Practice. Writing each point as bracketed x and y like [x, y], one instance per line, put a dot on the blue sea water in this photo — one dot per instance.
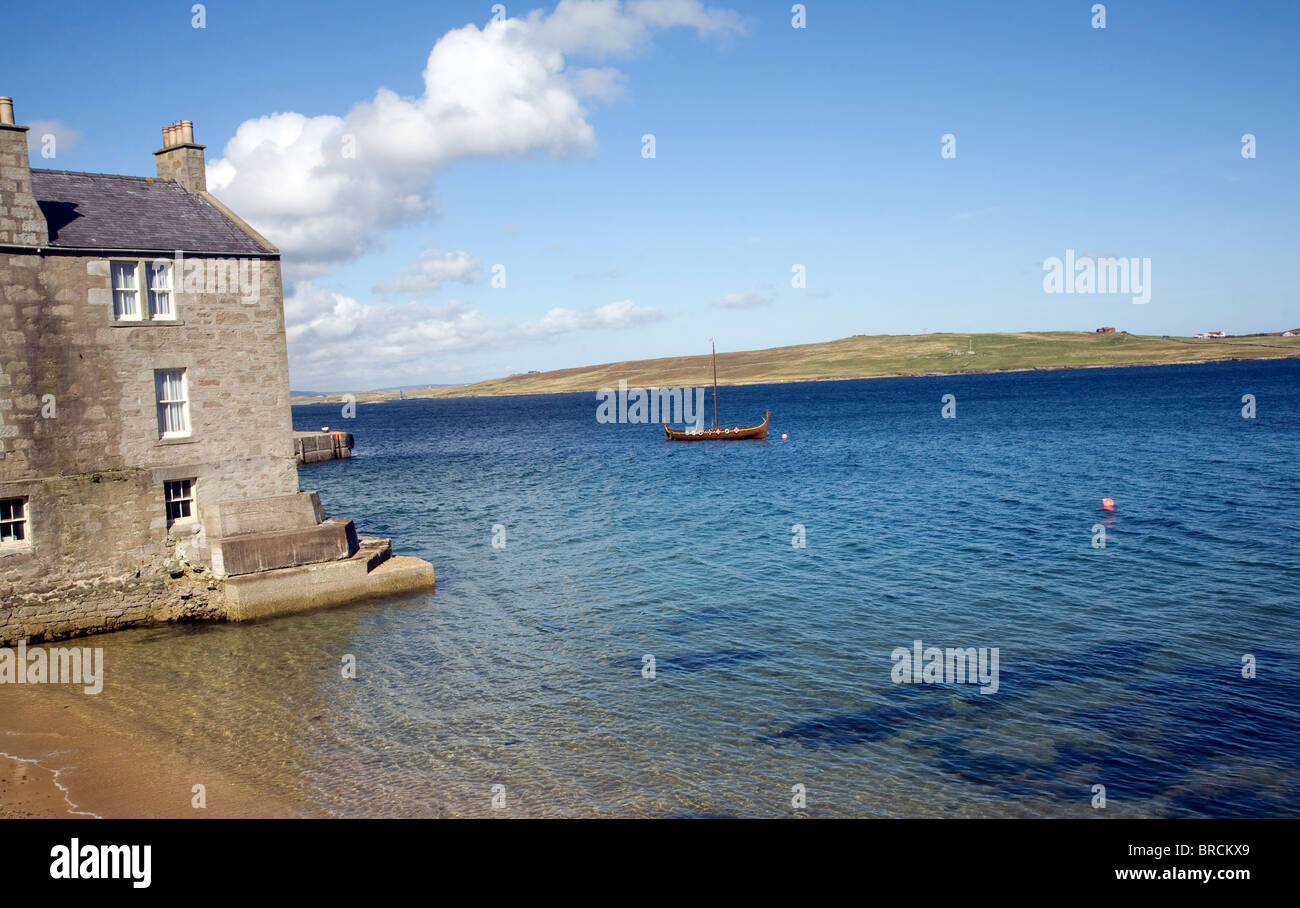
[1119, 666]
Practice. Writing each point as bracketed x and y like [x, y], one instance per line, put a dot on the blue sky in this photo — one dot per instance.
[774, 146]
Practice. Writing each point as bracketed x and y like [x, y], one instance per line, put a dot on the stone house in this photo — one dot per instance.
[147, 464]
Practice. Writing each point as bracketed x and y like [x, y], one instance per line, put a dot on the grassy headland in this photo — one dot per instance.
[876, 356]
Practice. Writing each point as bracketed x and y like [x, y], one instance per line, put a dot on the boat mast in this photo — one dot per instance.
[715, 382]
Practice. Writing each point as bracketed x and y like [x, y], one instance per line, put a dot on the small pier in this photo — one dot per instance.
[313, 447]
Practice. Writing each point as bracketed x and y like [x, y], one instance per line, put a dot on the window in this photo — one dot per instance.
[173, 403]
[13, 520]
[180, 499]
[159, 302]
[126, 293]
[158, 278]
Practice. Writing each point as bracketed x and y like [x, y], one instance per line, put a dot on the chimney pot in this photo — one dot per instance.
[180, 159]
[6, 111]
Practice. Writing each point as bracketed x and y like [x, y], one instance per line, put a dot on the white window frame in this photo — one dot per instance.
[150, 293]
[185, 494]
[21, 522]
[172, 405]
[121, 291]
[158, 287]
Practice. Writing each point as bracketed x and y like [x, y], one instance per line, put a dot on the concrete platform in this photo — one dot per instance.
[372, 571]
[313, 447]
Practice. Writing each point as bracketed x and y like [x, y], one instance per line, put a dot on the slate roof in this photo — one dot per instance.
[106, 211]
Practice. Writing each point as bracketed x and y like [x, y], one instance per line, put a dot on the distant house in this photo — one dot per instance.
[1106, 330]
[1294, 332]
[1204, 334]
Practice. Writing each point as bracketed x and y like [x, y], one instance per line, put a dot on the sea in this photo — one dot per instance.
[628, 627]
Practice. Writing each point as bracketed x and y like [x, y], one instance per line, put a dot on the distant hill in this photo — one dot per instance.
[882, 355]
[393, 391]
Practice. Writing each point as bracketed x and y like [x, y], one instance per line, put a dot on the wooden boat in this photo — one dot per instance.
[734, 433]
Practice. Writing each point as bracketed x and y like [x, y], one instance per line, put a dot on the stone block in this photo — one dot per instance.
[236, 517]
[333, 540]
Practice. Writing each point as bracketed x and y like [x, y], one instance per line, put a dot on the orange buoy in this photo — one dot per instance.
[1108, 504]
[784, 436]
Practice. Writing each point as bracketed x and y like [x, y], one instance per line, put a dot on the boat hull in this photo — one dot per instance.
[742, 433]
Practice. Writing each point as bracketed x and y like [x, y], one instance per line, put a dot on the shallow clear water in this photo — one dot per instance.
[1118, 666]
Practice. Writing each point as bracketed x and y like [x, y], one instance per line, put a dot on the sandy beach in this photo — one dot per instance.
[62, 755]
[30, 791]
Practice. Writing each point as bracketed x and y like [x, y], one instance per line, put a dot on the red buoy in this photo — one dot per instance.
[1108, 503]
[784, 436]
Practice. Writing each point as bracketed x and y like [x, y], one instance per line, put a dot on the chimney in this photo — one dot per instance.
[21, 220]
[180, 159]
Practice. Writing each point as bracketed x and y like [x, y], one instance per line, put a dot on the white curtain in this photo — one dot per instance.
[160, 289]
[171, 402]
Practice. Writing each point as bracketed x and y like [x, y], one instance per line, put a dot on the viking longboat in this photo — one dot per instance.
[715, 434]
[734, 433]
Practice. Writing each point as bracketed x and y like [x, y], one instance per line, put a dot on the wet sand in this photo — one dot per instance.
[30, 791]
[61, 756]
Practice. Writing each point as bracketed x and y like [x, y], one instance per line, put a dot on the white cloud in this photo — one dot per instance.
[599, 83]
[54, 135]
[320, 187]
[557, 321]
[434, 269]
[335, 339]
[606, 28]
[743, 300]
[625, 314]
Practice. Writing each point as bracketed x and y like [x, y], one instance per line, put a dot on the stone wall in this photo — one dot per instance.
[79, 437]
[21, 221]
[174, 592]
[314, 447]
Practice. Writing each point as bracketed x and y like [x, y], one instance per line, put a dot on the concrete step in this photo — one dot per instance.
[297, 589]
[332, 539]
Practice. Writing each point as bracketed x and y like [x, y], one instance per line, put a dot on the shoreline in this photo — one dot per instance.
[61, 757]
[312, 401]
[47, 799]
